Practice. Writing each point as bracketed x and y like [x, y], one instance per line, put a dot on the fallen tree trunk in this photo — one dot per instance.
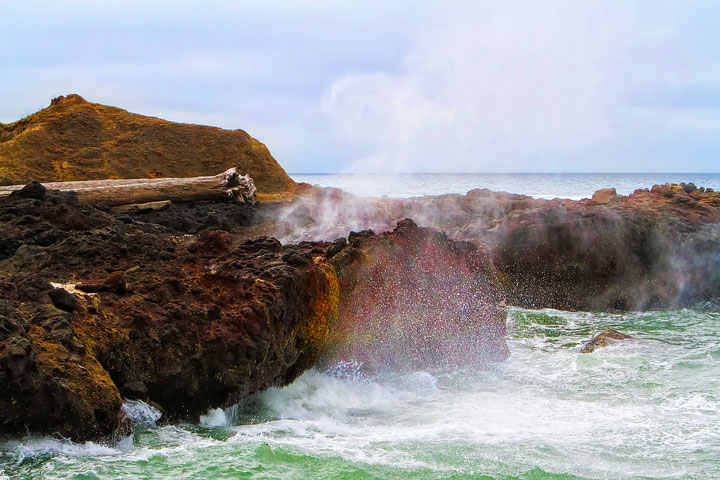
[229, 185]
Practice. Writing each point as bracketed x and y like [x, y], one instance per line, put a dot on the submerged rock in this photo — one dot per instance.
[603, 339]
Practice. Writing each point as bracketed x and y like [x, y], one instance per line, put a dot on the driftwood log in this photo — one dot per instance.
[229, 185]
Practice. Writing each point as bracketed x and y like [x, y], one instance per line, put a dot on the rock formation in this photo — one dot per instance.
[604, 339]
[653, 249]
[93, 305]
[604, 195]
[74, 139]
[96, 306]
[411, 298]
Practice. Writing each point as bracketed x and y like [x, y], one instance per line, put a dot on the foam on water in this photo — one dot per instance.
[648, 408]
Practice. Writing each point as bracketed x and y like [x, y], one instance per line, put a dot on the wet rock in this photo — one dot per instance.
[603, 339]
[135, 390]
[201, 328]
[292, 257]
[414, 299]
[337, 245]
[63, 299]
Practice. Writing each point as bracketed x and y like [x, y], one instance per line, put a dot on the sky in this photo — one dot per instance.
[393, 86]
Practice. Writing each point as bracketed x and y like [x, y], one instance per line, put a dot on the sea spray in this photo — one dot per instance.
[140, 413]
[220, 417]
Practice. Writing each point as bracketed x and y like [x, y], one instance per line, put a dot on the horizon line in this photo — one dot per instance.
[503, 173]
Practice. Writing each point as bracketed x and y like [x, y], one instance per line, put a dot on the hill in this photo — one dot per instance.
[74, 139]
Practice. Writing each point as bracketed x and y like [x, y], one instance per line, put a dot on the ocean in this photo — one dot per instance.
[574, 186]
[644, 409]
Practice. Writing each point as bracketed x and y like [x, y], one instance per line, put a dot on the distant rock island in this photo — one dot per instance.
[74, 139]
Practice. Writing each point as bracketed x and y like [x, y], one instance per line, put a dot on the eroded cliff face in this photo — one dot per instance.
[94, 308]
[74, 139]
[188, 309]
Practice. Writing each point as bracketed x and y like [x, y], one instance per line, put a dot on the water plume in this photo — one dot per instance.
[413, 299]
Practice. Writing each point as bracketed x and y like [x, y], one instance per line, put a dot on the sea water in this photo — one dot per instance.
[642, 409]
[574, 186]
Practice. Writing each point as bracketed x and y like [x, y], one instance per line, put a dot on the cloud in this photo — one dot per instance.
[408, 85]
[521, 86]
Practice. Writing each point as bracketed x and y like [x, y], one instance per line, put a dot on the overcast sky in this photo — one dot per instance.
[404, 86]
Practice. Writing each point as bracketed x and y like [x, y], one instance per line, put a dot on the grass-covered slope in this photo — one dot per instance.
[74, 139]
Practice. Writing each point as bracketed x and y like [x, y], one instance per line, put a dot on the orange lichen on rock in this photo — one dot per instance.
[324, 309]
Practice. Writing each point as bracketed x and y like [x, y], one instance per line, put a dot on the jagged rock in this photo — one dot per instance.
[65, 374]
[637, 252]
[63, 299]
[208, 319]
[115, 282]
[32, 190]
[603, 339]
[413, 299]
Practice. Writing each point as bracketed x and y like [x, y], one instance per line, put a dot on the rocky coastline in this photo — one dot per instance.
[203, 303]
[188, 310]
[654, 249]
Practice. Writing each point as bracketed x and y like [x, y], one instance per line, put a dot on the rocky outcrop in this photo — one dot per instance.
[95, 306]
[604, 195]
[653, 249]
[74, 139]
[188, 309]
[411, 298]
[604, 339]
[641, 252]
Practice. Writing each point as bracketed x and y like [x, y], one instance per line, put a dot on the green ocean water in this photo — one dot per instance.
[645, 409]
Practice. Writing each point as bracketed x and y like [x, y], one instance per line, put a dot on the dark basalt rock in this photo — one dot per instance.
[32, 190]
[135, 390]
[115, 282]
[63, 299]
[653, 249]
[603, 339]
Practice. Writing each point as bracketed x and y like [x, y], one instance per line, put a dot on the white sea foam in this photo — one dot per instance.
[215, 417]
